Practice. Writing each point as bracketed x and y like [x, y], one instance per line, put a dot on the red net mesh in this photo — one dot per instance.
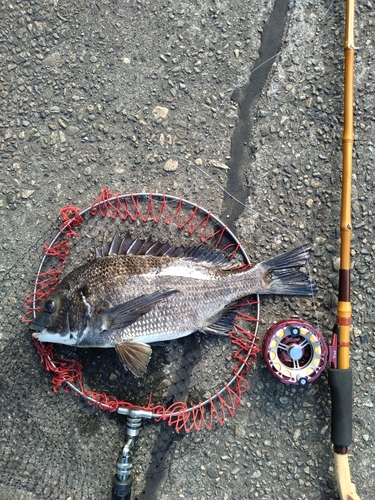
[68, 373]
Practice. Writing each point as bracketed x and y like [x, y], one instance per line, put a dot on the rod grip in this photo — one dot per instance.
[341, 385]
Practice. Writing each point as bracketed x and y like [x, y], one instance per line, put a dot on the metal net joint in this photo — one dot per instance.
[122, 481]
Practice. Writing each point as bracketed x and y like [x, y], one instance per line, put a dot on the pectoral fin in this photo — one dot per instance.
[134, 356]
[125, 314]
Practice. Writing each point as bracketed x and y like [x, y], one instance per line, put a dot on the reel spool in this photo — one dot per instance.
[295, 352]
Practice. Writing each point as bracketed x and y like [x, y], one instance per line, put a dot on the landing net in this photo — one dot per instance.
[190, 382]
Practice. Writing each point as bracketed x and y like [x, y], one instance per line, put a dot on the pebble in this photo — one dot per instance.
[297, 434]
[26, 193]
[160, 111]
[170, 165]
[71, 130]
[218, 164]
[336, 263]
[212, 473]
[52, 60]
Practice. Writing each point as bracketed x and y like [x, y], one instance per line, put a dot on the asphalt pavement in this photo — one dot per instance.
[236, 106]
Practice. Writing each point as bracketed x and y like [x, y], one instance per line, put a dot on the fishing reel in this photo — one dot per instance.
[295, 352]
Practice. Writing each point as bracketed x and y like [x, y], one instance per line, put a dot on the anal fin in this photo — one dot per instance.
[224, 323]
[134, 356]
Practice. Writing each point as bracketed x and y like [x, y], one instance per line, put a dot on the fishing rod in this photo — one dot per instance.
[288, 345]
[340, 375]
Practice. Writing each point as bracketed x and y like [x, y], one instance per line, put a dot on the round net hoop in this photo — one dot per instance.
[193, 219]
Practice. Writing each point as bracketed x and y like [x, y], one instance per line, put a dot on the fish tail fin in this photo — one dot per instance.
[282, 276]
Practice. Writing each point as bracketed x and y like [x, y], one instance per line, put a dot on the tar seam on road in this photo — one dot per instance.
[246, 97]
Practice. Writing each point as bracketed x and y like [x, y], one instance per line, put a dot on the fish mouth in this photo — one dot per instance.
[37, 335]
[43, 335]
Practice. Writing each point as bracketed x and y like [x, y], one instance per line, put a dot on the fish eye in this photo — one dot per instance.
[50, 306]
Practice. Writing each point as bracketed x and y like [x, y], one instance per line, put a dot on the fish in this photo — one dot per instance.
[139, 292]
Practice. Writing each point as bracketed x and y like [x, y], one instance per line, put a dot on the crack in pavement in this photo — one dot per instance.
[246, 97]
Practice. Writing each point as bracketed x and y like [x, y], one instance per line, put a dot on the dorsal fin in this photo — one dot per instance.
[136, 246]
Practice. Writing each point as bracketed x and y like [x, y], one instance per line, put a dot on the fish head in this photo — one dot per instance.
[62, 318]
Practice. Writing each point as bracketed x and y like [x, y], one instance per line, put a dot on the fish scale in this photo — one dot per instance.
[183, 312]
[129, 301]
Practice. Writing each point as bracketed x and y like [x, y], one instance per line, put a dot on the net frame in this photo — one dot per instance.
[68, 373]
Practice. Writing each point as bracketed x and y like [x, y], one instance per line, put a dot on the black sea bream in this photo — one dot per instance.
[129, 301]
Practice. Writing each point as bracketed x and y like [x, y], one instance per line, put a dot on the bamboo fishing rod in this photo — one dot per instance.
[340, 375]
